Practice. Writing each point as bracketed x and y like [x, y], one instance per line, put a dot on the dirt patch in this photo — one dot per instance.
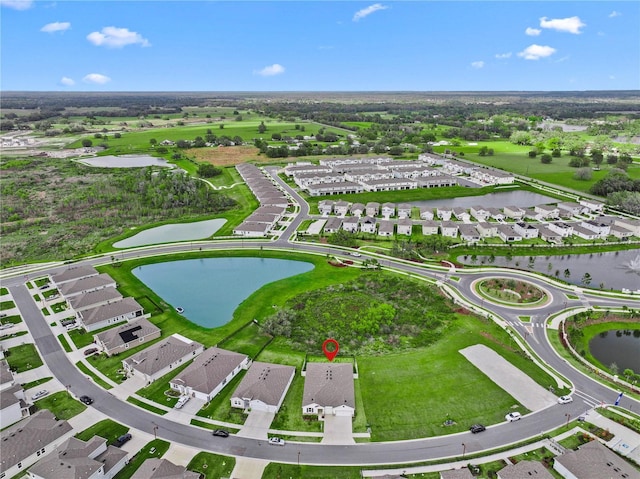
[227, 155]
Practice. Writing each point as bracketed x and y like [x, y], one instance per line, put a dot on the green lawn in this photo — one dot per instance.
[14, 319]
[65, 343]
[22, 358]
[247, 340]
[59, 307]
[289, 417]
[35, 383]
[156, 390]
[61, 404]
[4, 305]
[147, 406]
[106, 428]
[157, 445]
[97, 379]
[280, 471]
[212, 466]
[219, 409]
[3, 291]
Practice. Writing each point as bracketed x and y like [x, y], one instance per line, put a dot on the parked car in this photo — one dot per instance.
[181, 402]
[356, 254]
[513, 416]
[476, 428]
[565, 399]
[45, 286]
[39, 394]
[276, 441]
[220, 433]
[90, 351]
[122, 440]
[86, 400]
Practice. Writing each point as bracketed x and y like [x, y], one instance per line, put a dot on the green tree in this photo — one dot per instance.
[262, 127]
[586, 279]
[567, 273]
[207, 170]
[546, 158]
[153, 142]
[87, 143]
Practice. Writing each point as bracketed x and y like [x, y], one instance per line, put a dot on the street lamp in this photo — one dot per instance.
[464, 449]
[298, 458]
[155, 429]
[568, 417]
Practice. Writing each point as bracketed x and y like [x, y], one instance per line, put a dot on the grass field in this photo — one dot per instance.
[97, 379]
[106, 428]
[156, 390]
[148, 407]
[22, 358]
[220, 409]
[158, 446]
[61, 404]
[212, 466]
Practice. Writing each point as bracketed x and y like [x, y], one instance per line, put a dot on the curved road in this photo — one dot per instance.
[588, 392]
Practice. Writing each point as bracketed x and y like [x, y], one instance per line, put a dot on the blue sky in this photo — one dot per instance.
[319, 46]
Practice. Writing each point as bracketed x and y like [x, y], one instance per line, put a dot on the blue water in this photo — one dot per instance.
[210, 289]
[173, 232]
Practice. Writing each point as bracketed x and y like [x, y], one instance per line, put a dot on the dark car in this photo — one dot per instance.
[477, 428]
[220, 433]
[86, 400]
[90, 351]
[122, 439]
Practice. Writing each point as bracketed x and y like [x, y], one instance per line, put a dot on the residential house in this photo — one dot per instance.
[305, 180]
[426, 213]
[437, 181]
[77, 459]
[305, 167]
[390, 184]
[325, 207]
[592, 205]
[160, 358]
[593, 460]
[496, 214]
[372, 208]
[111, 313]
[73, 274]
[449, 229]
[404, 210]
[386, 228]
[480, 213]
[271, 220]
[405, 226]
[444, 213]
[525, 469]
[329, 390]
[252, 230]
[163, 469]
[336, 188]
[571, 207]
[388, 210]
[548, 235]
[131, 334]
[487, 230]
[563, 229]
[630, 224]
[430, 227]
[350, 224]
[432, 159]
[357, 209]
[463, 473]
[368, 224]
[508, 234]
[6, 376]
[461, 214]
[30, 439]
[585, 233]
[341, 208]
[602, 229]
[514, 212]
[492, 177]
[333, 225]
[93, 299]
[526, 230]
[546, 212]
[264, 387]
[13, 402]
[86, 285]
[620, 232]
[469, 233]
[278, 211]
[205, 377]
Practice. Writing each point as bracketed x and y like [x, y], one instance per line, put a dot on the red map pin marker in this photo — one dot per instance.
[330, 348]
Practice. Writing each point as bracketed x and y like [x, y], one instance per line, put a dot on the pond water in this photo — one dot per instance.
[173, 232]
[523, 199]
[126, 161]
[210, 289]
[617, 270]
[617, 347]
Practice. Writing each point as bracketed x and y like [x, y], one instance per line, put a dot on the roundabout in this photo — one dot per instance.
[511, 292]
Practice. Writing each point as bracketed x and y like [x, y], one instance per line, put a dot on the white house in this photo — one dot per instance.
[592, 205]
[449, 229]
[252, 229]
[533, 469]
[469, 233]
[508, 234]
[585, 233]
[325, 207]
[111, 313]
[405, 226]
[372, 208]
[487, 230]
[563, 229]
[546, 211]
[461, 214]
[341, 208]
[132, 334]
[333, 225]
[479, 213]
[350, 224]
[329, 390]
[426, 213]
[526, 230]
[514, 212]
[571, 207]
[368, 224]
[601, 228]
[264, 387]
[593, 460]
[13, 404]
[388, 210]
[386, 228]
[211, 371]
[86, 285]
[73, 274]
[357, 209]
[404, 210]
[430, 227]
[444, 213]
[548, 235]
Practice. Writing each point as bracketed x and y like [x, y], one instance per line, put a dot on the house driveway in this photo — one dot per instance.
[338, 430]
[257, 425]
[248, 468]
[129, 387]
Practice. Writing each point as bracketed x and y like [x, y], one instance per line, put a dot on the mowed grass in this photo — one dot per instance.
[22, 358]
[61, 404]
[439, 384]
[277, 471]
[212, 466]
[158, 446]
[108, 429]
[249, 340]
[156, 390]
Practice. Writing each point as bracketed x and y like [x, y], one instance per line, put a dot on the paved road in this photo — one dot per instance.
[589, 392]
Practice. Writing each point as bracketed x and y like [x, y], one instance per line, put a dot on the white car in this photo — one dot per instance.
[513, 416]
[181, 402]
[356, 254]
[565, 399]
[39, 394]
[276, 441]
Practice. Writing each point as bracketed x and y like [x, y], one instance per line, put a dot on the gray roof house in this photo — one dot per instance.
[94, 298]
[160, 358]
[132, 334]
[77, 459]
[86, 285]
[368, 224]
[28, 440]
[6, 377]
[73, 274]
[404, 210]
[469, 233]
[110, 313]
[13, 405]
[463, 473]
[205, 377]
[386, 228]
[333, 225]
[426, 213]
[430, 227]
[593, 461]
[357, 209]
[264, 387]
[525, 470]
[350, 224]
[388, 209]
[329, 390]
[252, 229]
[163, 469]
[372, 208]
[405, 226]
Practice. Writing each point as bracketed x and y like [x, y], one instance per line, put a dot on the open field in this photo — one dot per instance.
[106, 428]
[22, 358]
[61, 404]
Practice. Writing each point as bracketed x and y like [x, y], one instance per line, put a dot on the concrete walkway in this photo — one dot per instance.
[247, 468]
[625, 442]
[338, 430]
[257, 425]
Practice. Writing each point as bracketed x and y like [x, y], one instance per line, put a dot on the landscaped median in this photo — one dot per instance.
[511, 292]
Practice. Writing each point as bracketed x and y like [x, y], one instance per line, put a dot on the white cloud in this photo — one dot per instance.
[533, 32]
[114, 37]
[66, 81]
[56, 27]
[270, 70]
[17, 4]
[614, 14]
[477, 65]
[503, 56]
[365, 12]
[96, 78]
[536, 52]
[569, 25]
